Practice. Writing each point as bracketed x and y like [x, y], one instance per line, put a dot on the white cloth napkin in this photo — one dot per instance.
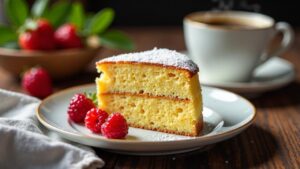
[24, 145]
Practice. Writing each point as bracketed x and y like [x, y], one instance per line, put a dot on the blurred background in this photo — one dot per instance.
[171, 12]
[158, 23]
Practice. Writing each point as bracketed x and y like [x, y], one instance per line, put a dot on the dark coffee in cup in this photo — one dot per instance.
[229, 23]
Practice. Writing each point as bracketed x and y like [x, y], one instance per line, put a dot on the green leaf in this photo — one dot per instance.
[92, 96]
[16, 11]
[87, 22]
[39, 7]
[7, 35]
[117, 40]
[58, 13]
[101, 21]
[77, 15]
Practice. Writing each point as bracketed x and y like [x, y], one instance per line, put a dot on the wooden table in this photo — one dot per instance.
[273, 141]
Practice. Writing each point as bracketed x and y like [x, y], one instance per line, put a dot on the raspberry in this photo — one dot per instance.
[115, 127]
[94, 119]
[79, 106]
[66, 37]
[37, 82]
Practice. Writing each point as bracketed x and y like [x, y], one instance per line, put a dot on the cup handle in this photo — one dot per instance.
[287, 40]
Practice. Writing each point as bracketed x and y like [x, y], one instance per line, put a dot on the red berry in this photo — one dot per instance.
[37, 82]
[44, 27]
[94, 119]
[41, 38]
[46, 32]
[115, 127]
[79, 106]
[29, 40]
[66, 37]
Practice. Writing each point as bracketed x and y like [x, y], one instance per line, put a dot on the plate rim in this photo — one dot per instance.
[208, 137]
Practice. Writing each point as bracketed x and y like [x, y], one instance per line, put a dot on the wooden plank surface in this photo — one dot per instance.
[273, 141]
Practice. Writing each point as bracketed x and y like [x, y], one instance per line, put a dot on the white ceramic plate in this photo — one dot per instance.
[225, 115]
[274, 74]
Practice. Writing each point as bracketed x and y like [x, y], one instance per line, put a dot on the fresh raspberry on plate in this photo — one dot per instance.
[37, 82]
[78, 107]
[115, 126]
[94, 119]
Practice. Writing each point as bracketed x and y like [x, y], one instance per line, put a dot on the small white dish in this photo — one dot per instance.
[274, 74]
[225, 115]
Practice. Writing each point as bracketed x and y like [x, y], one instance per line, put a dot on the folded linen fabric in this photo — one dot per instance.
[25, 144]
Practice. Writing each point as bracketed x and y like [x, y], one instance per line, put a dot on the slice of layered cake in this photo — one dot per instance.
[157, 90]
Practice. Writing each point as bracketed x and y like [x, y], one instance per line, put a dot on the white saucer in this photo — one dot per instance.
[274, 74]
[225, 115]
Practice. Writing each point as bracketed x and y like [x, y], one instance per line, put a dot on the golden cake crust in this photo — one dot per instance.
[161, 57]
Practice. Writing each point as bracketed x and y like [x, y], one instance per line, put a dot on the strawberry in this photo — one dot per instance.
[40, 38]
[29, 40]
[115, 126]
[78, 107]
[66, 37]
[94, 119]
[37, 82]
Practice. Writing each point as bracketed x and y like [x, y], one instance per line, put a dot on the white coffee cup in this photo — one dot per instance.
[229, 45]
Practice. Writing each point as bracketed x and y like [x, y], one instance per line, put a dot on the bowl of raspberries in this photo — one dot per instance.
[59, 37]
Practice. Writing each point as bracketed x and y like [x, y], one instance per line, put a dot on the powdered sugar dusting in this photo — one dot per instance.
[169, 137]
[164, 57]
